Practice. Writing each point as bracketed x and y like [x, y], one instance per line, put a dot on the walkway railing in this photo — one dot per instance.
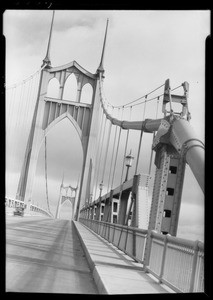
[128, 239]
[10, 202]
[176, 262]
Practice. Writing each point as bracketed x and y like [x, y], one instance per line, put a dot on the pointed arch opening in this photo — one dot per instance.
[70, 88]
[66, 210]
[64, 156]
[53, 88]
[87, 93]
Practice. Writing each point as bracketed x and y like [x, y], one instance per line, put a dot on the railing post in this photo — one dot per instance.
[99, 227]
[147, 250]
[113, 234]
[164, 257]
[194, 266]
[134, 243]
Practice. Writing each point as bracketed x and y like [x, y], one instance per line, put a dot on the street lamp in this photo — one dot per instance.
[90, 198]
[99, 210]
[129, 158]
[101, 187]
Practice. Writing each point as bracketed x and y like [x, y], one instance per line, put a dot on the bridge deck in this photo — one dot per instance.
[45, 255]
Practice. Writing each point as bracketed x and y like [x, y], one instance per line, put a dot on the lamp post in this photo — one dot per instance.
[129, 158]
[90, 198]
[101, 188]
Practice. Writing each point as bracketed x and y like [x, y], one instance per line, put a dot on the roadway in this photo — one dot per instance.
[45, 256]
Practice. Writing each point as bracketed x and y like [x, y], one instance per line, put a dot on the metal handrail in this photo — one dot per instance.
[168, 255]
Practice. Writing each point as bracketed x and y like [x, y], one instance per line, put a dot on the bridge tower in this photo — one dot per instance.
[62, 199]
[170, 167]
[170, 161]
[49, 111]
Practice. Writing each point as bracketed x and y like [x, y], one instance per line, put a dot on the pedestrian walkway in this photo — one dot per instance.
[114, 272]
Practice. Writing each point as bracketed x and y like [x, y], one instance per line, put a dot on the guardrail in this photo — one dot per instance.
[36, 208]
[10, 202]
[128, 239]
[176, 262]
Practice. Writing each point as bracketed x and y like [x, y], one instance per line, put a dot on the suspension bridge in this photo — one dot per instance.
[122, 237]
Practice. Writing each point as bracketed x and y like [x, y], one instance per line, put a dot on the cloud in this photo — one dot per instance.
[192, 195]
[143, 49]
[65, 20]
[191, 221]
[18, 27]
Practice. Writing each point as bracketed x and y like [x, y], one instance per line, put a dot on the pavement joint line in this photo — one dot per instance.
[128, 278]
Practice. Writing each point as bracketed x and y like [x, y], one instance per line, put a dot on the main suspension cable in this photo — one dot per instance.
[142, 97]
[14, 85]
[131, 102]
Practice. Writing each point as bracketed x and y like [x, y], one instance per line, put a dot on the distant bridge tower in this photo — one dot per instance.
[63, 198]
[49, 111]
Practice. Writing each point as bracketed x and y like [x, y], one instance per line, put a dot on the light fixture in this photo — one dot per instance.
[101, 187]
[129, 158]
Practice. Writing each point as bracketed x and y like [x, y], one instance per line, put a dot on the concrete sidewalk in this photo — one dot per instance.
[114, 272]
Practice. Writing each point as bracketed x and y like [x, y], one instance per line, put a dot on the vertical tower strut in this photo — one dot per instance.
[46, 60]
[101, 68]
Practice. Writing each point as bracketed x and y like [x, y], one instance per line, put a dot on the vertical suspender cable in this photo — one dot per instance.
[10, 103]
[106, 153]
[125, 150]
[99, 162]
[16, 131]
[141, 136]
[113, 150]
[17, 122]
[9, 109]
[121, 190]
[97, 154]
[29, 97]
[45, 157]
[150, 163]
[116, 155]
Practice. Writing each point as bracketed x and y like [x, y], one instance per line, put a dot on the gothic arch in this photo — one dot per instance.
[53, 88]
[87, 93]
[60, 118]
[70, 88]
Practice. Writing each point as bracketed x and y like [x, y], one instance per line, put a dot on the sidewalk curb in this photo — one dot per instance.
[113, 271]
[97, 278]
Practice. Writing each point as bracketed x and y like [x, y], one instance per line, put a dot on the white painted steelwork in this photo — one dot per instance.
[176, 262]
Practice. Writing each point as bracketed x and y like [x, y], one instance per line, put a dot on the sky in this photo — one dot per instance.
[143, 49]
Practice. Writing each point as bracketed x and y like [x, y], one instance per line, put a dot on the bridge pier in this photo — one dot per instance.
[123, 207]
[108, 208]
